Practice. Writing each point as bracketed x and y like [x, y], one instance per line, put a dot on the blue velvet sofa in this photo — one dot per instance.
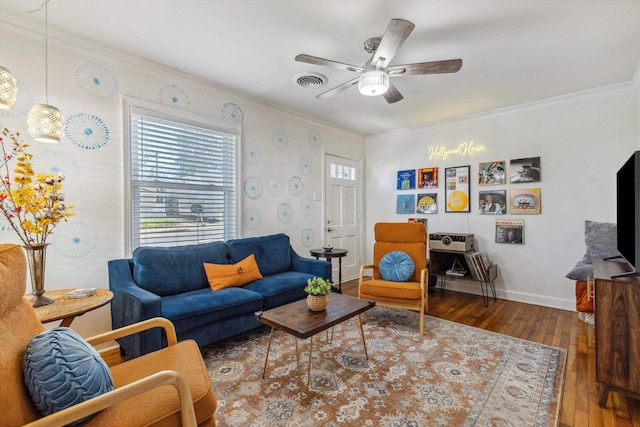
[171, 282]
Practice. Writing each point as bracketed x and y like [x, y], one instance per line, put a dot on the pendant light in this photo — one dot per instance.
[45, 121]
[8, 89]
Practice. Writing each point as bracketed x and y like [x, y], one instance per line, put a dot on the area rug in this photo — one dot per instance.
[454, 375]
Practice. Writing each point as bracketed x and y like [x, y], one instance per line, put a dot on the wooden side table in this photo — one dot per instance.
[332, 253]
[66, 309]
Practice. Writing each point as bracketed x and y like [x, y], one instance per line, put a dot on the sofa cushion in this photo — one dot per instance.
[281, 288]
[273, 252]
[222, 276]
[203, 307]
[173, 270]
[61, 370]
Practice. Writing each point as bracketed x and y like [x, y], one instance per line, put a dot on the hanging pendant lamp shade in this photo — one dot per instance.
[373, 83]
[44, 123]
[8, 89]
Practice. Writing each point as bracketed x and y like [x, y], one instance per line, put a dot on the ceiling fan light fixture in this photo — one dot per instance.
[373, 83]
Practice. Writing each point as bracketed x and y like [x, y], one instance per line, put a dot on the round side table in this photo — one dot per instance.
[66, 309]
[328, 255]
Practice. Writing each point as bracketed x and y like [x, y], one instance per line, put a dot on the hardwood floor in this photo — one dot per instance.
[558, 328]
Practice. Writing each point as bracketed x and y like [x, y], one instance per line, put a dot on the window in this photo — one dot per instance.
[343, 171]
[183, 180]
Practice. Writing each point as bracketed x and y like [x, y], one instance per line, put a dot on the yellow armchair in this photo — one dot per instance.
[168, 387]
[413, 294]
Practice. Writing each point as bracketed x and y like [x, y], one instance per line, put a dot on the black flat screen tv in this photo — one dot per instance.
[628, 211]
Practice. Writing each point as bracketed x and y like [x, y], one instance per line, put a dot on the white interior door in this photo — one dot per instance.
[342, 213]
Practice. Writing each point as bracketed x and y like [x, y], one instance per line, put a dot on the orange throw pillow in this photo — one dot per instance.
[583, 302]
[222, 276]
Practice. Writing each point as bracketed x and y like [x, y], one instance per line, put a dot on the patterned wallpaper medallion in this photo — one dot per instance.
[96, 80]
[86, 131]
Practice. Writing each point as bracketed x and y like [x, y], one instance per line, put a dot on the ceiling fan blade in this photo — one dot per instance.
[338, 89]
[392, 94]
[394, 36]
[328, 63]
[434, 67]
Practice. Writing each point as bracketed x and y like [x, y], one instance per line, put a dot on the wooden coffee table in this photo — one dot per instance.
[298, 321]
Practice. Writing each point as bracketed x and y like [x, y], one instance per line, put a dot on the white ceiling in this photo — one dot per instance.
[513, 51]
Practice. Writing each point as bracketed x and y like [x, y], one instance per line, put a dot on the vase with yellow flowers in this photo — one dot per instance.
[33, 204]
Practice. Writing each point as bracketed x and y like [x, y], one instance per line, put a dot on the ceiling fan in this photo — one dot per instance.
[375, 73]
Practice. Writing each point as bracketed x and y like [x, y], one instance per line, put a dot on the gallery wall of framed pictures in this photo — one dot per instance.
[504, 187]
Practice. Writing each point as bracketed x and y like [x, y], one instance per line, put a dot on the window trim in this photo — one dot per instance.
[131, 105]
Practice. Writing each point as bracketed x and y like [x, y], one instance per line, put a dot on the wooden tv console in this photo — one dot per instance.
[617, 311]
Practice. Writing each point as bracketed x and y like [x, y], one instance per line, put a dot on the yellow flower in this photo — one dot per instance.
[32, 202]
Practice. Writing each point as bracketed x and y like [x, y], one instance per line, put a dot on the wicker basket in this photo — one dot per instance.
[317, 303]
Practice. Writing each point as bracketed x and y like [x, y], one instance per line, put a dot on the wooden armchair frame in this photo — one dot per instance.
[81, 410]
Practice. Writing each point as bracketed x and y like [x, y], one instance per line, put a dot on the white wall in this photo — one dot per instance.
[80, 249]
[582, 140]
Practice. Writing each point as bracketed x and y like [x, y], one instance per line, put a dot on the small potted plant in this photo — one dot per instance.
[318, 289]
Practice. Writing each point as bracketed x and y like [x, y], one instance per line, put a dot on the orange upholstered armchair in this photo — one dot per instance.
[169, 387]
[399, 239]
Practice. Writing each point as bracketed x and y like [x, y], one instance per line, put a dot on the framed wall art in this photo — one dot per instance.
[405, 204]
[510, 231]
[525, 201]
[492, 202]
[524, 170]
[427, 203]
[428, 178]
[492, 173]
[406, 179]
[457, 189]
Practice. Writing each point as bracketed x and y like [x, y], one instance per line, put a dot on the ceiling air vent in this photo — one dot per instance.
[310, 80]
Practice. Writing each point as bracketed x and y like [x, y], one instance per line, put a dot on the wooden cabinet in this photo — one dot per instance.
[617, 310]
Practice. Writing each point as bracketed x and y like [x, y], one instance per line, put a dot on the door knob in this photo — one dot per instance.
[329, 229]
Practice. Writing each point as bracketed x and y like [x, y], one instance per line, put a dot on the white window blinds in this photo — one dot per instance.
[183, 180]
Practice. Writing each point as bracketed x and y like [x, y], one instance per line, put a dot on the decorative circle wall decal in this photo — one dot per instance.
[231, 111]
[296, 187]
[285, 213]
[307, 237]
[4, 224]
[275, 186]
[173, 95]
[280, 139]
[251, 153]
[252, 187]
[251, 218]
[306, 165]
[306, 206]
[86, 131]
[75, 239]
[24, 102]
[96, 80]
[314, 138]
[53, 161]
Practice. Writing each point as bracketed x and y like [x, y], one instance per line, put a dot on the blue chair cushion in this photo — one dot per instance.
[396, 266]
[61, 369]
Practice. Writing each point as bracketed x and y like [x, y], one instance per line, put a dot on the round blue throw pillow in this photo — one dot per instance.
[396, 266]
[61, 369]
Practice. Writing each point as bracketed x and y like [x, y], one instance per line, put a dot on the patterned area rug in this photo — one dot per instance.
[455, 375]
